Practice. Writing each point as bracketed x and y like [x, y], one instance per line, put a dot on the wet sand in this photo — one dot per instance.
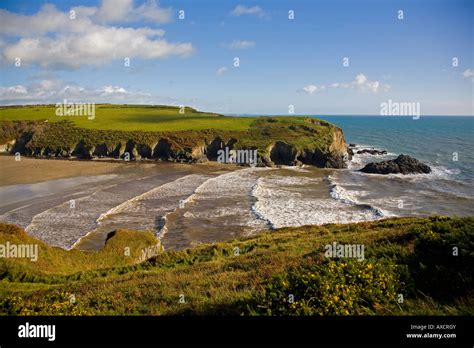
[30, 170]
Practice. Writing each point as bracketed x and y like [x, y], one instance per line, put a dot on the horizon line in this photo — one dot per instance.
[243, 114]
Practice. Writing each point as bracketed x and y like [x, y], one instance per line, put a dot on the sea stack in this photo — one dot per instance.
[403, 164]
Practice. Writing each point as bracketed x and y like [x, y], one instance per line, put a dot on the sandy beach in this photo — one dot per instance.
[30, 170]
[33, 170]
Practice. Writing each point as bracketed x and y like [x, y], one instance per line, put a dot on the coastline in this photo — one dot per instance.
[289, 197]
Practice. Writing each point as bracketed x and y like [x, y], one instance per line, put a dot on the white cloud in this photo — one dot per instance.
[361, 83]
[361, 79]
[51, 38]
[13, 91]
[108, 90]
[240, 10]
[310, 89]
[94, 48]
[221, 71]
[469, 73]
[240, 45]
[115, 11]
[50, 20]
[53, 91]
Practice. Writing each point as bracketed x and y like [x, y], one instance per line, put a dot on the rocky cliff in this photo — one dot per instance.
[278, 141]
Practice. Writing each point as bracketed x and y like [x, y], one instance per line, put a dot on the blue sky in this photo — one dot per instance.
[283, 62]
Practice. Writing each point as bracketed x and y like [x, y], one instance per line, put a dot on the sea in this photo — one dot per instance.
[186, 205]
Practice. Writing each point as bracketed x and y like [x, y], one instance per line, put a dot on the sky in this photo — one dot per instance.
[339, 57]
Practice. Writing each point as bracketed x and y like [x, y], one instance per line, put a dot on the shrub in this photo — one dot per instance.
[55, 304]
[434, 268]
[343, 287]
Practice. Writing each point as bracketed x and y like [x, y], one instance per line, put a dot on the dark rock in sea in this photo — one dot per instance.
[372, 152]
[350, 152]
[352, 145]
[403, 164]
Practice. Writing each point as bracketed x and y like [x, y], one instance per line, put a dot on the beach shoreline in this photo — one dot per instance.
[34, 170]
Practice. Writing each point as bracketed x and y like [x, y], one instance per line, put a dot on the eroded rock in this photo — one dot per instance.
[403, 164]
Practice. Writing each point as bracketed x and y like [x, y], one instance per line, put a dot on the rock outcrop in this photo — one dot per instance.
[278, 141]
[282, 153]
[372, 152]
[335, 155]
[403, 164]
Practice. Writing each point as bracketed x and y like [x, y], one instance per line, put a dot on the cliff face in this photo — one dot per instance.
[338, 149]
[278, 141]
[326, 147]
[287, 154]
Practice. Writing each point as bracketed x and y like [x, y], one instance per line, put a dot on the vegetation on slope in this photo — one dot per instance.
[158, 118]
[168, 135]
[54, 261]
[412, 257]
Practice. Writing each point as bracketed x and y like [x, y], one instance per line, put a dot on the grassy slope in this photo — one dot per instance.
[260, 133]
[215, 281]
[132, 118]
[54, 261]
[118, 123]
[115, 124]
[154, 119]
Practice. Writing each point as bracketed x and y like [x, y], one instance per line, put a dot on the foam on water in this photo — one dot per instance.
[360, 160]
[219, 209]
[184, 186]
[149, 210]
[62, 226]
[439, 192]
[294, 201]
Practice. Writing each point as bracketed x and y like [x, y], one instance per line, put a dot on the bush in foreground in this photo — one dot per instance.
[342, 287]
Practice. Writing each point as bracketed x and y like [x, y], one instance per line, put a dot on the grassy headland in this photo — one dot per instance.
[412, 257]
[160, 118]
[162, 132]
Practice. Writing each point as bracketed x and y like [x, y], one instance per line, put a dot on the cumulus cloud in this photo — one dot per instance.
[113, 10]
[240, 10]
[310, 89]
[78, 19]
[221, 71]
[469, 73]
[240, 45]
[12, 91]
[361, 83]
[56, 91]
[123, 10]
[53, 91]
[52, 38]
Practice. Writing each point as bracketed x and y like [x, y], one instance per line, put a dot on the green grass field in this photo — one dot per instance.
[403, 256]
[132, 118]
[117, 125]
